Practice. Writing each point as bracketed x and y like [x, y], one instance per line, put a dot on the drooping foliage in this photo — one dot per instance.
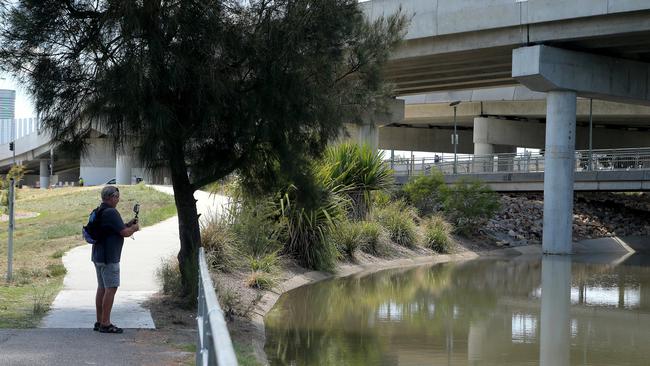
[358, 168]
[207, 86]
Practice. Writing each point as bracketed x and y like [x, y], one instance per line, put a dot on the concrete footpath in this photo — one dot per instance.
[74, 306]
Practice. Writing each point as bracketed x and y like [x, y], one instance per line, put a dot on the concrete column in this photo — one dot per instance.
[368, 135]
[44, 174]
[558, 174]
[555, 339]
[123, 165]
[483, 150]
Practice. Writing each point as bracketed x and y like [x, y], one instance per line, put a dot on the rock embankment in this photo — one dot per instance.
[595, 215]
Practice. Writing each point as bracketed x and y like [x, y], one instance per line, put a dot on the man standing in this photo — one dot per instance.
[106, 256]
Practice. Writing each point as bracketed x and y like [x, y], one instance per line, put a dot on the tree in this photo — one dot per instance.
[209, 87]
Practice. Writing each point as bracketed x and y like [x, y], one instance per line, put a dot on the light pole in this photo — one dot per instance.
[10, 199]
[454, 137]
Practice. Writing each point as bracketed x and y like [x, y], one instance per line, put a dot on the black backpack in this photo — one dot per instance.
[92, 232]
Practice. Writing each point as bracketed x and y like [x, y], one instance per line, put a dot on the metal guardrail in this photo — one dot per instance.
[214, 346]
[585, 160]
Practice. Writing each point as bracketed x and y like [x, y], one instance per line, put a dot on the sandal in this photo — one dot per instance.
[96, 326]
[110, 329]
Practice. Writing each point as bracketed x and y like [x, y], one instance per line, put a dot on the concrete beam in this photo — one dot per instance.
[364, 134]
[544, 69]
[495, 131]
[424, 139]
[392, 111]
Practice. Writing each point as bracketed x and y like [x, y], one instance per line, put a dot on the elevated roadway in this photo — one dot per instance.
[468, 44]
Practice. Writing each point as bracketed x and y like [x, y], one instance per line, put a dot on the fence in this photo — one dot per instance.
[214, 346]
[585, 160]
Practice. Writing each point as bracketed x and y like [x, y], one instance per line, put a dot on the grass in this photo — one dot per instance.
[437, 234]
[245, 355]
[398, 219]
[40, 243]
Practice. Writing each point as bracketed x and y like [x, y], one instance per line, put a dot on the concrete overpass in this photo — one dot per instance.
[467, 44]
[565, 48]
[507, 117]
[48, 164]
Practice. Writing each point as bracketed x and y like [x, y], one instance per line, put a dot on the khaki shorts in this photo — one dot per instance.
[108, 275]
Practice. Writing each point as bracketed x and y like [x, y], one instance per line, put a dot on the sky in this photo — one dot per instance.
[24, 105]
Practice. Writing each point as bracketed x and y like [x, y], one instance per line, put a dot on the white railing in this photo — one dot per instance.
[596, 160]
[18, 127]
[214, 346]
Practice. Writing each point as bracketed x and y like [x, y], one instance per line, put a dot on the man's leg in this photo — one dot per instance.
[99, 299]
[107, 305]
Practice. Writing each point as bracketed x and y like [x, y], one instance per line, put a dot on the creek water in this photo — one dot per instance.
[549, 311]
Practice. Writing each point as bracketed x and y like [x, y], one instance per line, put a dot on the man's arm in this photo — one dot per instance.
[129, 230]
[113, 221]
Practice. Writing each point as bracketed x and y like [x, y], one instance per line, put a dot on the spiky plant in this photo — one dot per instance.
[358, 168]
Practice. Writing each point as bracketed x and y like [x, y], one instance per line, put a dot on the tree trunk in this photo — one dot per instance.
[188, 226]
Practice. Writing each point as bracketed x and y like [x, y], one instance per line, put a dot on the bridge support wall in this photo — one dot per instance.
[124, 164]
[97, 165]
[44, 171]
[366, 132]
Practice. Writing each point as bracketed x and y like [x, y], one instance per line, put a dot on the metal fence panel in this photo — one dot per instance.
[585, 160]
[214, 346]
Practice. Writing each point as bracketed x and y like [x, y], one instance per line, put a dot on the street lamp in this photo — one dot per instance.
[454, 137]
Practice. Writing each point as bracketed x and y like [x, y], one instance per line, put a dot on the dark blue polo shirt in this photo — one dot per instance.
[108, 248]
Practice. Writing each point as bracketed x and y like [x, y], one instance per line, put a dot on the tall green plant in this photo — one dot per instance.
[17, 172]
[399, 221]
[309, 228]
[469, 204]
[358, 168]
[426, 192]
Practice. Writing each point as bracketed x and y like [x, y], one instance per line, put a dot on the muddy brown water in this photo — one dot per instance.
[523, 311]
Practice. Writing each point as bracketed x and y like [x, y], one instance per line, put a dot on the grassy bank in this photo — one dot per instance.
[41, 241]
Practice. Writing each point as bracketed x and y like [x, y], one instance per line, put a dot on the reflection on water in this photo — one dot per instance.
[523, 311]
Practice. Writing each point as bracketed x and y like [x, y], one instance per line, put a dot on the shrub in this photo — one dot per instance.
[380, 199]
[257, 226]
[398, 219]
[263, 271]
[261, 280]
[268, 263]
[56, 270]
[347, 238]
[372, 237]
[469, 204]
[437, 233]
[426, 192]
[170, 277]
[309, 228]
[41, 300]
[220, 243]
[358, 168]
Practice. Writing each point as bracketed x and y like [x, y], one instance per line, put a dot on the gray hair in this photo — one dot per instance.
[109, 191]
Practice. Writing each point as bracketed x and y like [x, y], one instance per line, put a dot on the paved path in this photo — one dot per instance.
[74, 306]
[70, 347]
